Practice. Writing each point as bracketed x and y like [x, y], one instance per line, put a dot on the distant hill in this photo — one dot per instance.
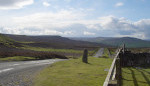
[7, 42]
[129, 41]
[147, 39]
[52, 41]
[71, 42]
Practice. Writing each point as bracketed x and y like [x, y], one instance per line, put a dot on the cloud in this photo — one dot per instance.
[14, 4]
[48, 19]
[123, 27]
[74, 23]
[119, 4]
[33, 31]
[88, 33]
[46, 4]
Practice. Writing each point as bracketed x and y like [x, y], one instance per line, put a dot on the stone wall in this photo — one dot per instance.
[135, 59]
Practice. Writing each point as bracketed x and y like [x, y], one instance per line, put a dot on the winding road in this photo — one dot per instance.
[99, 53]
[21, 73]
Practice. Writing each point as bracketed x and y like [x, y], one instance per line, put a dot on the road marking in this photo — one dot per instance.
[16, 64]
[43, 64]
[4, 70]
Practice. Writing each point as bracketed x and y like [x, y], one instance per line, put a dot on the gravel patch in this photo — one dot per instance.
[22, 77]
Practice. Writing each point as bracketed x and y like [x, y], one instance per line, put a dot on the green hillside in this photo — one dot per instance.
[7, 42]
[52, 41]
[129, 41]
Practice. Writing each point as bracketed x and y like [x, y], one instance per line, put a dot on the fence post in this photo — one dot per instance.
[123, 48]
[85, 55]
[118, 72]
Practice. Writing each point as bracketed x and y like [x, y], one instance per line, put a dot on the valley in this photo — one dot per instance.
[41, 55]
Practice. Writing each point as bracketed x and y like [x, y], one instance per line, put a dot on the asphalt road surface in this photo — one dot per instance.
[21, 73]
[99, 52]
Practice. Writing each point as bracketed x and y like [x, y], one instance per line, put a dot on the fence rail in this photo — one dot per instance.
[114, 73]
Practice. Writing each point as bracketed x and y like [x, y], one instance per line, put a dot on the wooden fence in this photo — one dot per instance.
[124, 58]
[114, 74]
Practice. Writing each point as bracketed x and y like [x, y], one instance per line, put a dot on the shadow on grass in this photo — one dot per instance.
[145, 76]
[103, 57]
[87, 63]
[145, 71]
[134, 78]
[125, 72]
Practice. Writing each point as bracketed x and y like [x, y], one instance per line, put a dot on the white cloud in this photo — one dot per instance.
[46, 4]
[68, 33]
[31, 31]
[93, 26]
[14, 4]
[88, 33]
[140, 35]
[48, 19]
[119, 4]
[74, 23]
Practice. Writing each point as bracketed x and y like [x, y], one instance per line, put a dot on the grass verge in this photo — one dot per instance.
[74, 73]
[135, 77]
[17, 58]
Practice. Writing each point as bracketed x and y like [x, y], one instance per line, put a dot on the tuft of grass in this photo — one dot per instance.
[74, 73]
[17, 58]
[135, 77]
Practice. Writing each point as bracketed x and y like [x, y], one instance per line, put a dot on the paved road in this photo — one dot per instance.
[21, 73]
[99, 52]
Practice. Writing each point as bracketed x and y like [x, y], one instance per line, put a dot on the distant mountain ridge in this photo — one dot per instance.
[52, 41]
[68, 42]
[116, 41]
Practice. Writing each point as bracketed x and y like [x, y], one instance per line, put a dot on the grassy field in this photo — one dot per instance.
[52, 49]
[136, 77]
[17, 58]
[70, 53]
[140, 50]
[112, 50]
[74, 73]
[106, 53]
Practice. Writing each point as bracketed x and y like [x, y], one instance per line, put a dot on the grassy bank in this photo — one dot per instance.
[74, 73]
[136, 77]
[17, 58]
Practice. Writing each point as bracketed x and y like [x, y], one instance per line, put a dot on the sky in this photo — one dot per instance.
[76, 18]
